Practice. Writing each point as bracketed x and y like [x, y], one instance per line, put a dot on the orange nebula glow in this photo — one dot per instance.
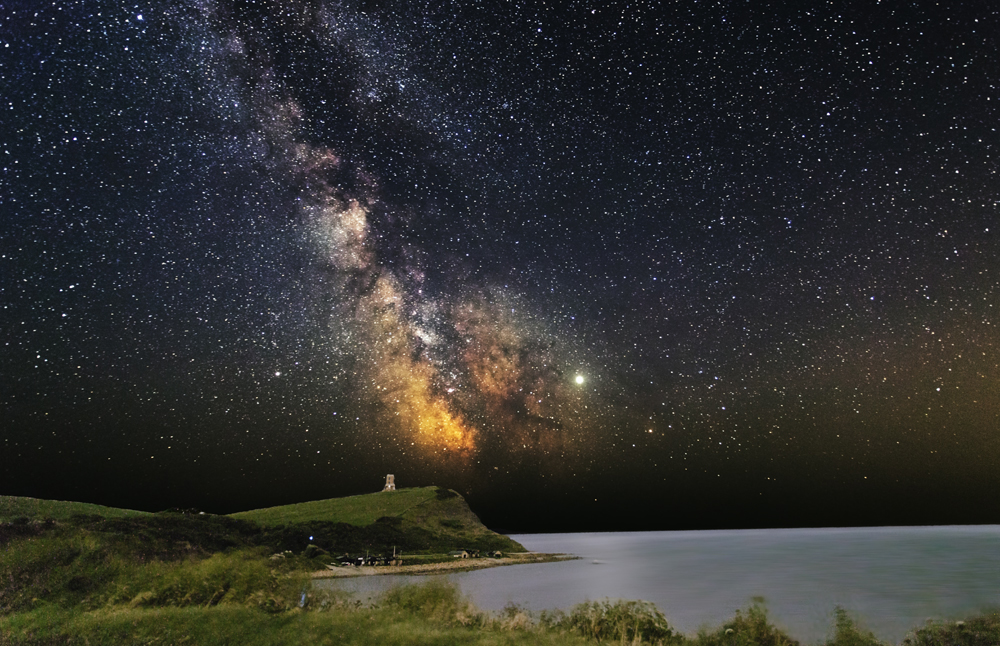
[380, 333]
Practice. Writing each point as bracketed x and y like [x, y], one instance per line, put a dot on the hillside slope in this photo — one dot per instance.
[12, 507]
[427, 520]
[439, 512]
[356, 510]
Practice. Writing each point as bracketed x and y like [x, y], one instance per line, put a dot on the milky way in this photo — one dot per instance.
[595, 266]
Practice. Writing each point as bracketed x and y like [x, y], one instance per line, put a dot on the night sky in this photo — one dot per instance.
[594, 265]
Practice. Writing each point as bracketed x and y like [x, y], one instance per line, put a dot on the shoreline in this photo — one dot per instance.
[458, 565]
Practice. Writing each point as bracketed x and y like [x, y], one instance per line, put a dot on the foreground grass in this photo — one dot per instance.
[91, 570]
[431, 613]
[245, 626]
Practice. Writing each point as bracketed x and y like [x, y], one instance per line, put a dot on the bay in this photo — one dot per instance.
[892, 579]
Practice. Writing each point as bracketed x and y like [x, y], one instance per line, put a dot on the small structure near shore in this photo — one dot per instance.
[390, 483]
[368, 560]
[459, 554]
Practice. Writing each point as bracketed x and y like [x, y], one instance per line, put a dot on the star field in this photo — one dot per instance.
[596, 266]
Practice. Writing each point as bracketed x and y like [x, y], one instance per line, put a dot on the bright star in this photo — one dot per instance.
[579, 379]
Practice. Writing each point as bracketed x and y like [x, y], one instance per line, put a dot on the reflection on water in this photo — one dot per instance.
[892, 578]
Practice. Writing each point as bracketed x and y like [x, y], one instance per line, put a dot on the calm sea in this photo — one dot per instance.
[892, 579]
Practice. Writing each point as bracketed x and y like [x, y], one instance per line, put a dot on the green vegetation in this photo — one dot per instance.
[616, 621]
[187, 608]
[355, 510]
[118, 577]
[983, 630]
[748, 628]
[78, 568]
[848, 634]
[384, 626]
[14, 507]
[439, 516]
[429, 520]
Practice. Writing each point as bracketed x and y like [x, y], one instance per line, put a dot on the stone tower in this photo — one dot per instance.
[390, 483]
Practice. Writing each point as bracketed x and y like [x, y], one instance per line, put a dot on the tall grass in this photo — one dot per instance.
[80, 570]
[74, 590]
[749, 627]
[847, 633]
[618, 621]
[982, 630]
[382, 625]
[437, 600]
[242, 578]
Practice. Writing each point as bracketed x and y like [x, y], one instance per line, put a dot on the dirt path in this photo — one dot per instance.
[458, 565]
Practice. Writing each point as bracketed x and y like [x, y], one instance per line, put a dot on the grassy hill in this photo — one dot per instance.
[435, 510]
[356, 510]
[12, 507]
[421, 520]
[438, 516]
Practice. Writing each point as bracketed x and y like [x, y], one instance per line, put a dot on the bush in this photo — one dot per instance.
[983, 630]
[436, 599]
[514, 617]
[749, 628]
[85, 570]
[627, 622]
[242, 578]
[53, 568]
[848, 634]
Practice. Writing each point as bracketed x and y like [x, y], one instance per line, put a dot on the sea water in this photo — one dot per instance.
[891, 579]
